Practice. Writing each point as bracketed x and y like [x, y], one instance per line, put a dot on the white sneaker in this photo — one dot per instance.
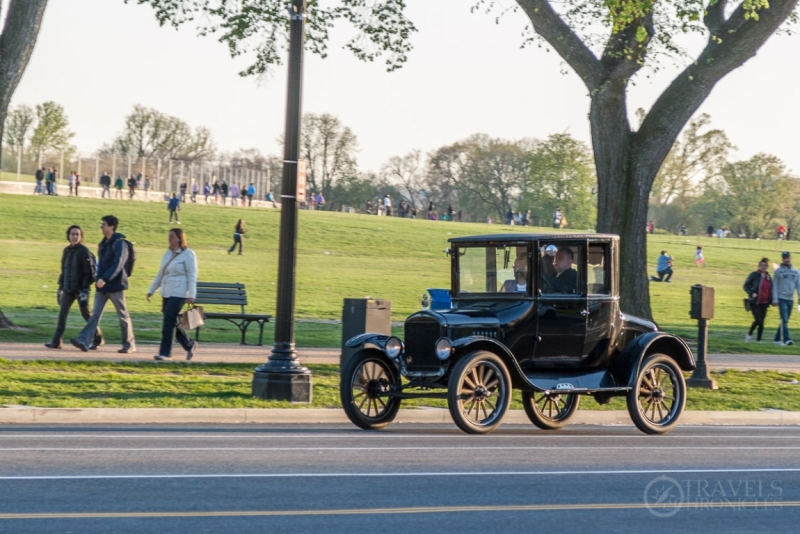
[789, 342]
[748, 338]
[778, 342]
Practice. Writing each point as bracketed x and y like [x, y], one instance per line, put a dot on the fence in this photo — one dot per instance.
[164, 174]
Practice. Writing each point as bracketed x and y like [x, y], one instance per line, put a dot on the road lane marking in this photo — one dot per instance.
[387, 435]
[402, 510]
[381, 449]
[406, 474]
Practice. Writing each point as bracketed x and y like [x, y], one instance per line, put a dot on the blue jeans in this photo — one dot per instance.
[785, 307]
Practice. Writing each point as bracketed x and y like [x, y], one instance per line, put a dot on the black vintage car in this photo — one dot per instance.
[535, 312]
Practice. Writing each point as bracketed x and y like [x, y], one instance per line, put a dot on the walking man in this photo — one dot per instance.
[174, 207]
[114, 260]
[39, 189]
[785, 282]
[105, 182]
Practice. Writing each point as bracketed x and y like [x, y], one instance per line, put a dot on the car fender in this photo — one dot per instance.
[369, 340]
[469, 344]
[631, 358]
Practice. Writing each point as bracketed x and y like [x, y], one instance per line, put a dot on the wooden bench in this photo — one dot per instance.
[229, 295]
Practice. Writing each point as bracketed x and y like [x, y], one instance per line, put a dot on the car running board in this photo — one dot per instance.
[574, 382]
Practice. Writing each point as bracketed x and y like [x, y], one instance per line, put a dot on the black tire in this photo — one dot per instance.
[658, 396]
[364, 380]
[550, 410]
[479, 384]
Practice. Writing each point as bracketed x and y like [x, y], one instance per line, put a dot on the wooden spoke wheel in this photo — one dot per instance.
[479, 392]
[657, 399]
[365, 383]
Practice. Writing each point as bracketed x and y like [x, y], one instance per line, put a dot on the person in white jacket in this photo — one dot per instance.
[177, 281]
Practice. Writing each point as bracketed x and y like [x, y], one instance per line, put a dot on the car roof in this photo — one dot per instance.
[529, 237]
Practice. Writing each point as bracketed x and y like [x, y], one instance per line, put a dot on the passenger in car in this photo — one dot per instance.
[520, 282]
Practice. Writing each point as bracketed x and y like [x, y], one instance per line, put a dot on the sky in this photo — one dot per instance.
[466, 75]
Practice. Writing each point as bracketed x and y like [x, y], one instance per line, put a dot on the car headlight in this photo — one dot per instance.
[444, 348]
[394, 347]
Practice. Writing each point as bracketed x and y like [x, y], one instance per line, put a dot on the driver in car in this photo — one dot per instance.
[565, 279]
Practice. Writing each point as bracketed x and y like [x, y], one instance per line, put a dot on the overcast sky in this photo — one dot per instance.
[465, 75]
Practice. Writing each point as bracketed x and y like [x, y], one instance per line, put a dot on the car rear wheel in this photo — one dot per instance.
[657, 399]
[550, 410]
[365, 381]
[479, 392]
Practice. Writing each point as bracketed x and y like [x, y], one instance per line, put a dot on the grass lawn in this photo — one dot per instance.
[178, 385]
[339, 255]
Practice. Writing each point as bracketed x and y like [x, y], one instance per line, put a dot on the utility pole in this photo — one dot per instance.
[282, 377]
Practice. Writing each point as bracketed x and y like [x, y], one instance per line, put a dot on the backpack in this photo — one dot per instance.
[131, 257]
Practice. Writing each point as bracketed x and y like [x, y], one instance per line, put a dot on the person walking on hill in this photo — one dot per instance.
[105, 183]
[234, 191]
[49, 181]
[174, 207]
[146, 184]
[118, 186]
[74, 283]
[223, 191]
[131, 187]
[786, 280]
[115, 259]
[39, 189]
[78, 184]
[177, 281]
[238, 236]
[251, 192]
[182, 189]
[758, 287]
[71, 183]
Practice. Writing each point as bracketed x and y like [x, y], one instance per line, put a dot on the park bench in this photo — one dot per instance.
[215, 293]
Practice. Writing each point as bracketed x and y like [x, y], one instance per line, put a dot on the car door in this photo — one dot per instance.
[601, 305]
[561, 302]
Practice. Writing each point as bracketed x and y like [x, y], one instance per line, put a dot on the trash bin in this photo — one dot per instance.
[440, 299]
[360, 316]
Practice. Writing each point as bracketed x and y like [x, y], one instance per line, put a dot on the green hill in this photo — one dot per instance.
[339, 255]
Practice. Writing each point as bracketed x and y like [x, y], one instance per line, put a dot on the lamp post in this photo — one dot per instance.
[282, 377]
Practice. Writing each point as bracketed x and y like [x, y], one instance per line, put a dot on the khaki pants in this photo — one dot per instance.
[126, 327]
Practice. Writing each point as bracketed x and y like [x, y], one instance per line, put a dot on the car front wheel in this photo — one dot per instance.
[657, 399]
[365, 381]
[479, 392]
[550, 410]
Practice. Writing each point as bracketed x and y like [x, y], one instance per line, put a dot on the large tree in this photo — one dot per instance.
[637, 32]
[20, 29]
[606, 42]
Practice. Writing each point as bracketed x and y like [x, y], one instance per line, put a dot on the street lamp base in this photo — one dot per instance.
[292, 387]
[706, 383]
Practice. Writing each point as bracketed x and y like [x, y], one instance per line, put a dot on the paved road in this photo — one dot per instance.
[336, 478]
[231, 353]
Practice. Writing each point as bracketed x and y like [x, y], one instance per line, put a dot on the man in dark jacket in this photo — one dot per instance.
[105, 181]
[112, 282]
[39, 189]
[74, 283]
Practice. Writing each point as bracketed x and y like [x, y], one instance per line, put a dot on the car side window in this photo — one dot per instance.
[597, 273]
[559, 268]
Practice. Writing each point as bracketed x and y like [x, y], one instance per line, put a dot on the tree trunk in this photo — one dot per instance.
[5, 322]
[16, 46]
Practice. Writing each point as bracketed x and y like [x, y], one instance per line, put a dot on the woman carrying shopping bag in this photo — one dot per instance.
[177, 281]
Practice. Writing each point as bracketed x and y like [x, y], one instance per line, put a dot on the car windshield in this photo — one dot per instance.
[493, 268]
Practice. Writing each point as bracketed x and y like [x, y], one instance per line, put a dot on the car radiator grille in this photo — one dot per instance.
[420, 344]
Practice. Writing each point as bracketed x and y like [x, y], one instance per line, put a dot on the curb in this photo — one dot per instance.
[32, 415]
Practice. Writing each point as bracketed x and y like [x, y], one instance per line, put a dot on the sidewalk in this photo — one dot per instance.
[233, 353]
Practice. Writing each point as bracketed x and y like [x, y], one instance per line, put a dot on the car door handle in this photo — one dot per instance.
[584, 312]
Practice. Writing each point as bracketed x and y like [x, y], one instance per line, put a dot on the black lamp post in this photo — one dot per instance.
[282, 377]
